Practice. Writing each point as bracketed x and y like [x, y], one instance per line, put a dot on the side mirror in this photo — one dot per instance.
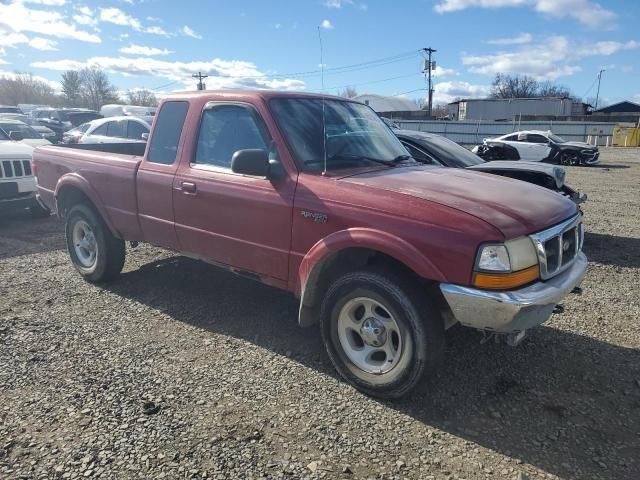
[16, 136]
[251, 162]
[145, 136]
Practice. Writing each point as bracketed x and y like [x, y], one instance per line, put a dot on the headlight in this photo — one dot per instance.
[506, 265]
[494, 258]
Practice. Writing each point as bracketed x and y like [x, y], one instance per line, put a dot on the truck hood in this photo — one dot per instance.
[553, 171]
[515, 208]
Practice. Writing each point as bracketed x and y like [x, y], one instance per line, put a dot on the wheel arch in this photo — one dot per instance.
[73, 189]
[351, 249]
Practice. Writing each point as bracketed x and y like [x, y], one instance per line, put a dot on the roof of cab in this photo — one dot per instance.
[249, 94]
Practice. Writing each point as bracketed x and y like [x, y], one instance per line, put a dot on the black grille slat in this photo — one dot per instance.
[17, 168]
[552, 249]
[8, 170]
[26, 164]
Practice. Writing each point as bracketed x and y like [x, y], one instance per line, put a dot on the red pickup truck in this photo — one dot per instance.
[315, 195]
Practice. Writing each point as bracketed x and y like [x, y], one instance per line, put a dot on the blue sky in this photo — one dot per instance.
[158, 44]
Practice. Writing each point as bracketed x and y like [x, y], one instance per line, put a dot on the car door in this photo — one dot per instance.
[539, 146]
[154, 181]
[240, 221]
[99, 134]
[518, 141]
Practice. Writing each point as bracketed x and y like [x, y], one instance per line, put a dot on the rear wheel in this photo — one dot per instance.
[380, 333]
[94, 251]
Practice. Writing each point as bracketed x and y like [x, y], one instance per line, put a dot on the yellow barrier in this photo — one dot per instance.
[625, 137]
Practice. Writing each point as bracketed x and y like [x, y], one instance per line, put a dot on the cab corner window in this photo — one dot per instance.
[224, 130]
[166, 135]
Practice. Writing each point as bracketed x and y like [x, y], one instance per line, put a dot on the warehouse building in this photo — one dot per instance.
[508, 109]
[386, 104]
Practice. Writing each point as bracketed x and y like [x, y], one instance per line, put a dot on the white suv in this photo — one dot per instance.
[17, 182]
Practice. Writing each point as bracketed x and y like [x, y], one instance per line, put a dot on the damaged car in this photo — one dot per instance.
[436, 149]
[538, 146]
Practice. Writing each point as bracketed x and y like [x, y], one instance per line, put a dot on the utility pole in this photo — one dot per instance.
[598, 92]
[199, 76]
[428, 67]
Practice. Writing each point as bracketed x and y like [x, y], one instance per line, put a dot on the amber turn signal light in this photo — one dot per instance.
[506, 281]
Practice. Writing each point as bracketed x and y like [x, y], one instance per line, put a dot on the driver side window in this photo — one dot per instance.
[417, 153]
[224, 130]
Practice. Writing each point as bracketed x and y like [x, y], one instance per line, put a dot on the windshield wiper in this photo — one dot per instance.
[350, 156]
[400, 159]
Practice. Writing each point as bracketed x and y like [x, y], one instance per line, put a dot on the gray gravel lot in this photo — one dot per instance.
[179, 370]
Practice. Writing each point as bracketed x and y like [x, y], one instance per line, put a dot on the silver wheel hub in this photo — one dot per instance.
[369, 335]
[85, 244]
[373, 332]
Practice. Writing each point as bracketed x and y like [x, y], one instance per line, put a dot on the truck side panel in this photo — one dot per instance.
[107, 179]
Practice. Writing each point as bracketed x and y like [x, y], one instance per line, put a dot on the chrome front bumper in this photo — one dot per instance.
[513, 311]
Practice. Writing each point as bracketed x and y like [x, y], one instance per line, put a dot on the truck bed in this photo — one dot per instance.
[108, 170]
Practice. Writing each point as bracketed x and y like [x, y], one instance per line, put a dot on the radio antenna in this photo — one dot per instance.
[324, 121]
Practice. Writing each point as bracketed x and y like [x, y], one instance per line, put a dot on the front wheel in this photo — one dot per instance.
[95, 253]
[568, 159]
[380, 332]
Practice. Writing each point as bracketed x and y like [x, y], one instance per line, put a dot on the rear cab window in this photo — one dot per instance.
[163, 147]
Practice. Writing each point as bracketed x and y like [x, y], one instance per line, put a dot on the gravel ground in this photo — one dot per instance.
[179, 370]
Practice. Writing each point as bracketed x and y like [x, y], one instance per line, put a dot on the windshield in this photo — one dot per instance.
[355, 135]
[557, 139]
[448, 151]
[25, 130]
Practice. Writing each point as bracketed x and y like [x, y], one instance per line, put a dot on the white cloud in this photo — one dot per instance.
[519, 40]
[49, 3]
[43, 44]
[222, 73]
[337, 3]
[446, 92]
[143, 50]
[326, 24]
[84, 10]
[16, 17]
[443, 72]
[190, 33]
[586, 12]
[13, 39]
[118, 17]
[607, 48]
[553, 58]
[155, 30]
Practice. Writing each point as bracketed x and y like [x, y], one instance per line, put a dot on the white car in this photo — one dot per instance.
[537, 146]
[114, 110]
[17, 183]
[21, 132]
[117, 130]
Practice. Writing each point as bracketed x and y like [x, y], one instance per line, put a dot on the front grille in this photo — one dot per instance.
[557, 247]
[588, 154]
[15, 168]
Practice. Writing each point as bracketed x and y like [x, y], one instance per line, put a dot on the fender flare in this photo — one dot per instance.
[367, 238]
[78, 182]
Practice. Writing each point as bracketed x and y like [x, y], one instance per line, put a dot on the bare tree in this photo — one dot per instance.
[23, 88]
[549, 89]
[96, 88]
[348, 92]
[524, 86]
[72, 89]
[143, 98]
[420, 102]
[516, 86]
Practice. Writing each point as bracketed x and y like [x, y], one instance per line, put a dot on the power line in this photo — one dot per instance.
[328, 71]
[200, 76]
[372, 82]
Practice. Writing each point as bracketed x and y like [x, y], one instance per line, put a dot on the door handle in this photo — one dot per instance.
[188, 187]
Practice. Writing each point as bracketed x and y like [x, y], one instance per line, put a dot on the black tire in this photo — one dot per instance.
[568, 159]
[419, 323]
[110, 252]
